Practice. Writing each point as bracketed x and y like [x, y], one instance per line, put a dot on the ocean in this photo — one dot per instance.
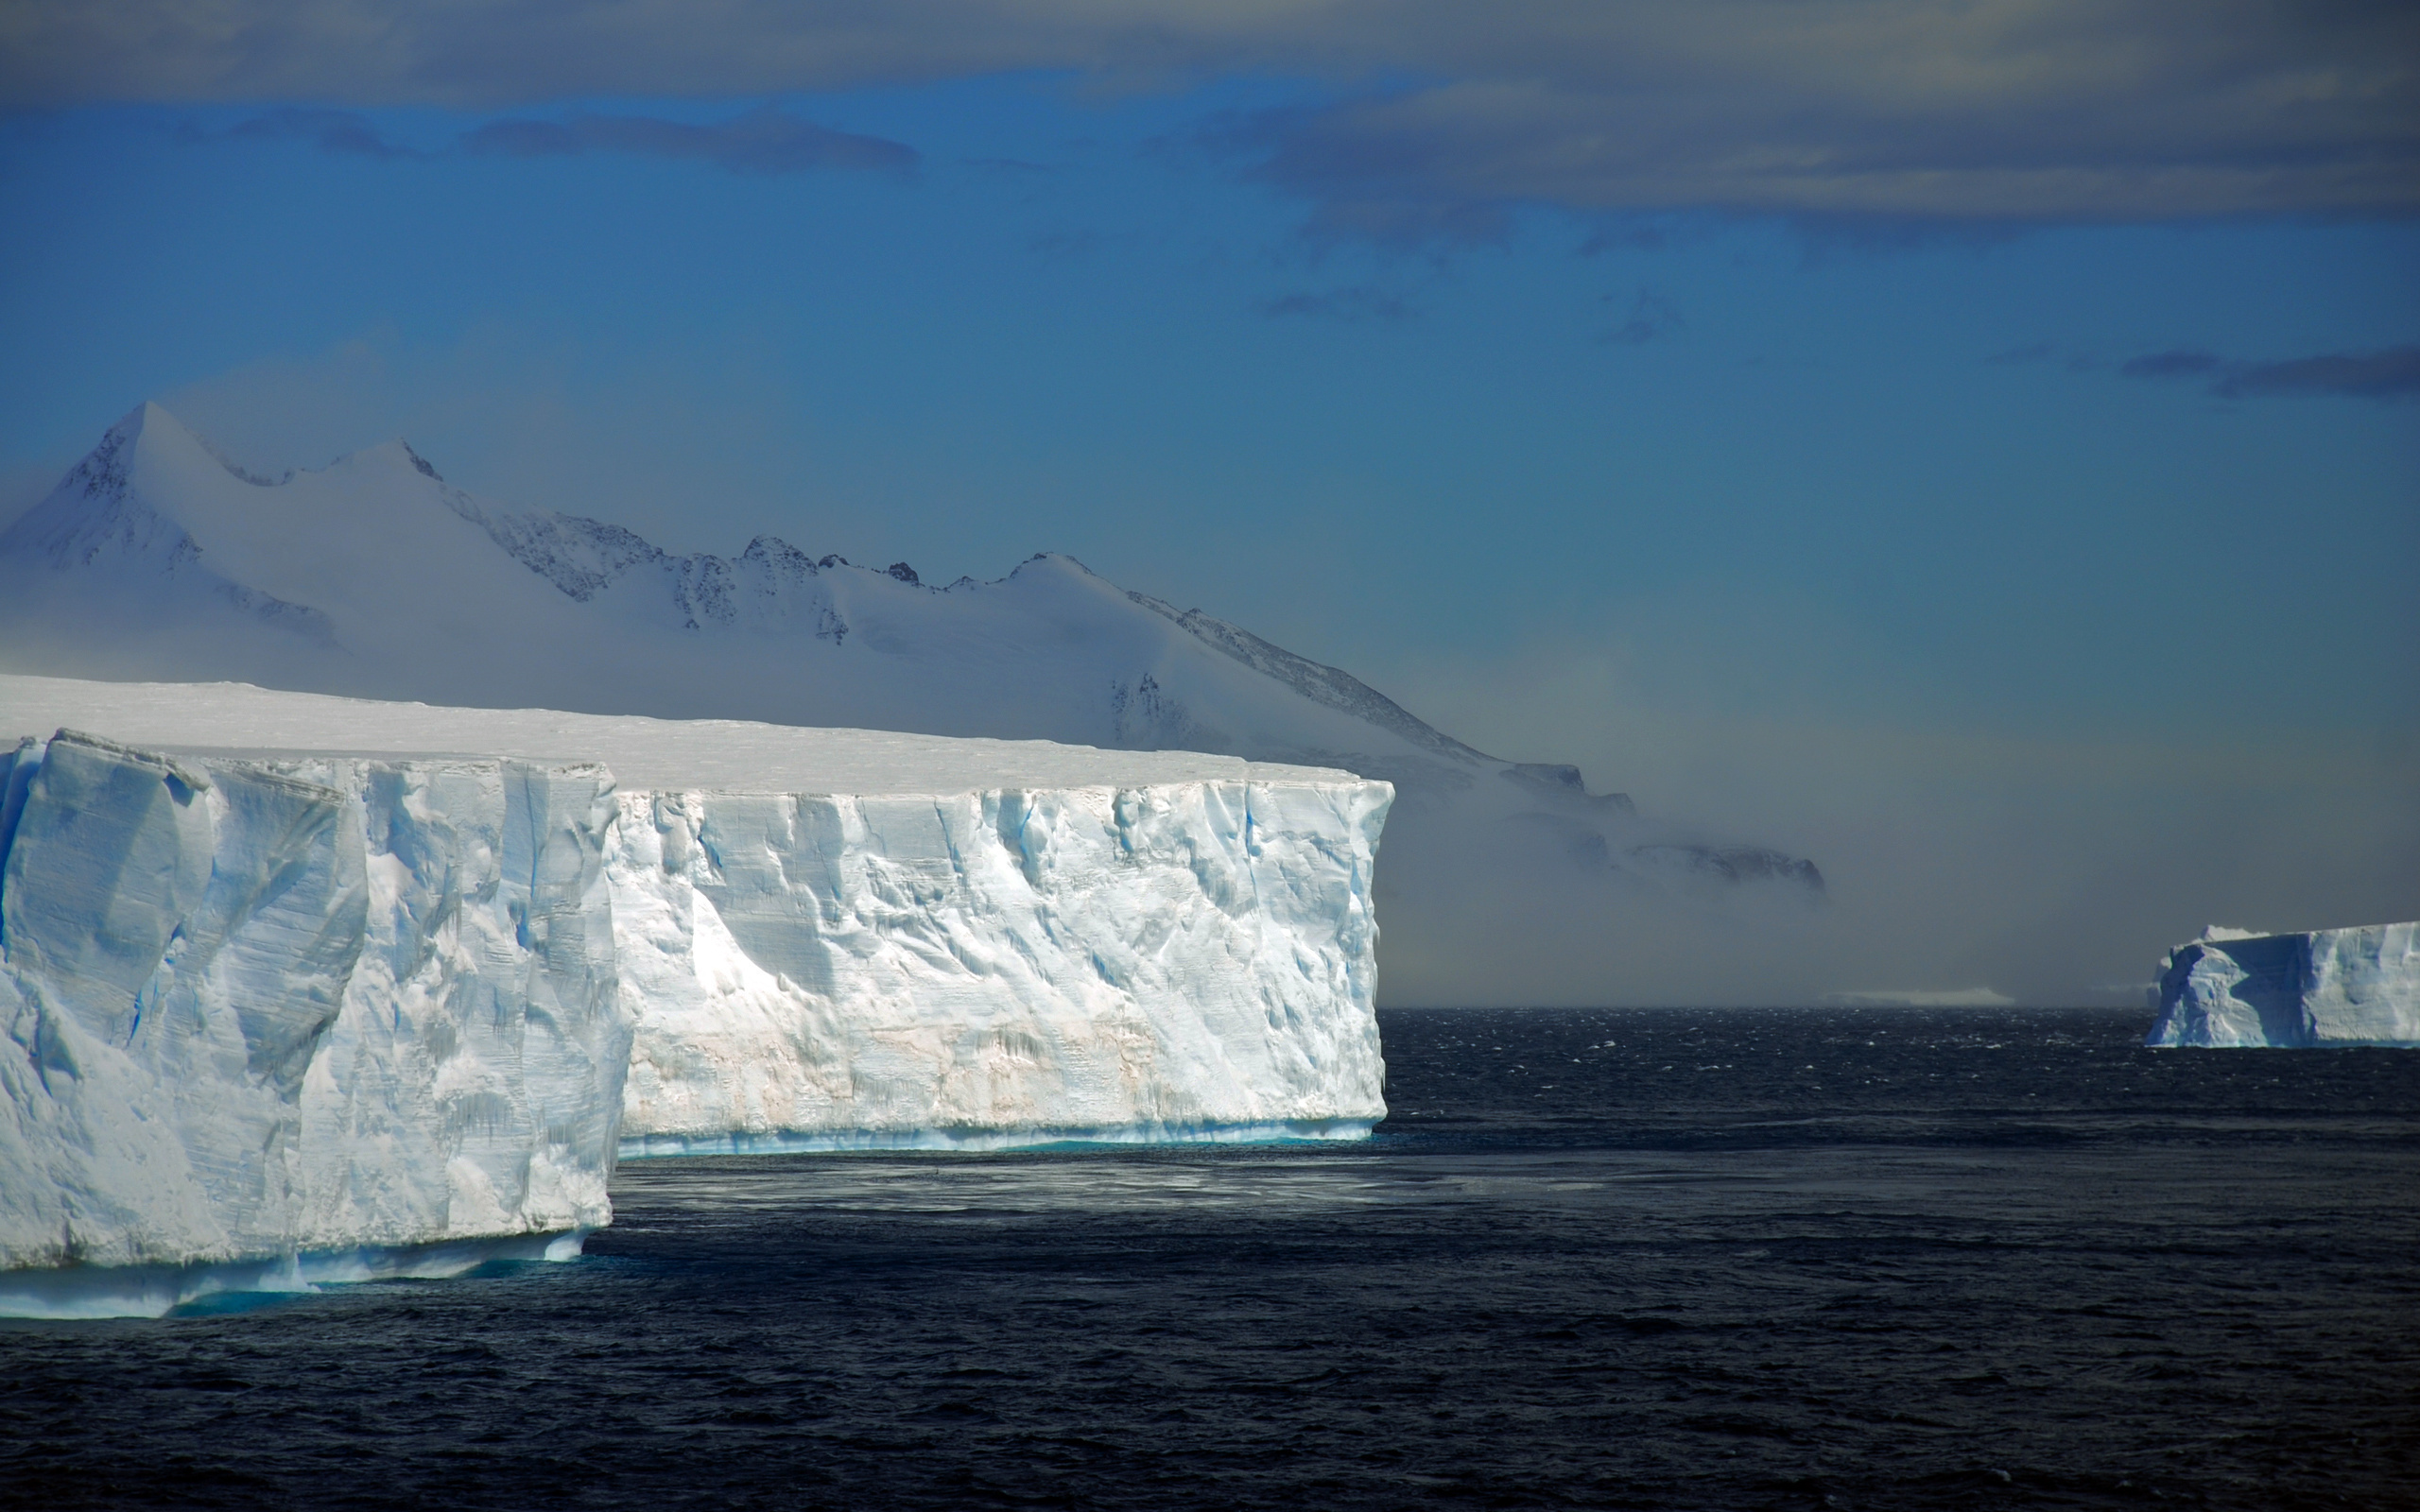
[1649, 1258]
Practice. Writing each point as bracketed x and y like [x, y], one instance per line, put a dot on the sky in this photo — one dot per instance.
[1974, 445]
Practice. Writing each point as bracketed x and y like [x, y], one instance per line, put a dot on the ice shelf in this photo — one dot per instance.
[284, 977]
[2331, 986]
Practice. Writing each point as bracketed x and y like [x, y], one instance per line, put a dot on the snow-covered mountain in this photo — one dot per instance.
[157, 559]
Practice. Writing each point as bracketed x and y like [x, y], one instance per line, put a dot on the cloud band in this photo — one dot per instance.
[1994, 110]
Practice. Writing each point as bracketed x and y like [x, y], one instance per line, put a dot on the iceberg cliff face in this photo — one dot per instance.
[263, 1000]
[257, 1007]
[2332, 987]
[1001, 965]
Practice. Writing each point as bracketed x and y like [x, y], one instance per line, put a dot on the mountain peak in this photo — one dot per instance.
[150, 435]
[145, 425]
[150, 416]
[93, 509]
[147, 434]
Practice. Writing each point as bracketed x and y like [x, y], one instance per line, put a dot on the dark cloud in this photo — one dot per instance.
[1651, 315]
[1864, 113]
[1876, 123]
[2389, 374]
[760, 141]
[2393, 373]
[329, 130]
[2180, 364]
[1362, 303]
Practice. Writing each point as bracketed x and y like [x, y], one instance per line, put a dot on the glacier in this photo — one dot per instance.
[287, 979]
[374, 577]
[2232, 988]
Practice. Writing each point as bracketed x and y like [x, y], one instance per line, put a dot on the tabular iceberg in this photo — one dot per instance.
[266, 1009]
[2331, 986]
[266, 999]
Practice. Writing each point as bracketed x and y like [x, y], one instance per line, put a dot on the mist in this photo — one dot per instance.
[2052, 860]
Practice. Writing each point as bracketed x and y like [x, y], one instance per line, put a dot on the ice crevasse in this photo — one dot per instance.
[286, 985]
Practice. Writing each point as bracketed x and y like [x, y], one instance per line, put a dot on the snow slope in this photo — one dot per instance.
[376, 579]
[2331, 986]
[834, 938]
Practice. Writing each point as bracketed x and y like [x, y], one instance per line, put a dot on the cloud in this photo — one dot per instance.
[1650, 316]
[758, 141]
[1360, 302]
[2391, 373]
[1871, 120]
[1442, 120]
[2179, 364]
[341, 131]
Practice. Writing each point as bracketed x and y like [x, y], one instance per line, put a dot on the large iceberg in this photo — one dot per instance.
[303, 1005]
[2331, 986]
[280, 979]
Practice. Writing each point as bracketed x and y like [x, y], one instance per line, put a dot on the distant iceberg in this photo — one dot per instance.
[2232, 988]
[1964, 997]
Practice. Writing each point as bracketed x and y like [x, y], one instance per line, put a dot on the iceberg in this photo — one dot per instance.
[284, 977]
[299, 1006]
[2232, 988]
[1964, 997]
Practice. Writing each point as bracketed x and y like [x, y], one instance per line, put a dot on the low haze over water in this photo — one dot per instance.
[1620, 1259]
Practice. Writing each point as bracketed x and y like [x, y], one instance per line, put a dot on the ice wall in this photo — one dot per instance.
[999, 965]
[2333, 987]
[292, 999]
[264, 1007]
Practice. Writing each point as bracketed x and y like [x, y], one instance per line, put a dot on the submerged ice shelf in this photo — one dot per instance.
[2332, 987]
[155, 1291]
[280, 980]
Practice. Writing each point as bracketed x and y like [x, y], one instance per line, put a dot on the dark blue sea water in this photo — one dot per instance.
[1604, 1259]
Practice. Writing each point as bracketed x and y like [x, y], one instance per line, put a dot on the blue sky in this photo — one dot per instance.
[1824, 505]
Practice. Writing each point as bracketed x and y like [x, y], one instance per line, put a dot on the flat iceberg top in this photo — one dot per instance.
[729, 755]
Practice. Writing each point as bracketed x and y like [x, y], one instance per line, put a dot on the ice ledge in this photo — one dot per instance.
[817, 1142]
[92, 1292]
